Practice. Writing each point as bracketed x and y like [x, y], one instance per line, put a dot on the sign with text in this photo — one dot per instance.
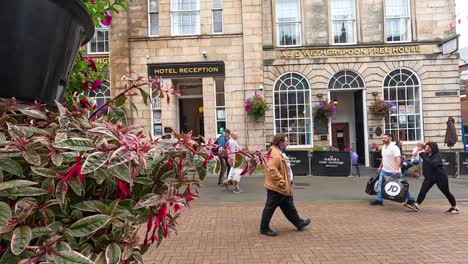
[449, 160]
[188, 69]
[299, 162]
[331, 163]
[463, 161]
[339, 52]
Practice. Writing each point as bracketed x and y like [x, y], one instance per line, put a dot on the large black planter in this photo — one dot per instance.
[39, 41]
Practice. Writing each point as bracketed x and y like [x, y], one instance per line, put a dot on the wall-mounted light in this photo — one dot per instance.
[320, 96]
[204, 54]
[335, 102]
[375, 94]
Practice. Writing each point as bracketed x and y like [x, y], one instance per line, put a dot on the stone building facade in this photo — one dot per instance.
[295, 53]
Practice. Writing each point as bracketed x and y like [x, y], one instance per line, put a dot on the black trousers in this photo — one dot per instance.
[225, 167]
[286, 203]
[442, 184]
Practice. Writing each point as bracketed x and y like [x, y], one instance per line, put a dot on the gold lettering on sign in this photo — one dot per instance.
[311, 53]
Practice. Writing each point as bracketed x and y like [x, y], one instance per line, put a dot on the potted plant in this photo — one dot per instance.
[77, 185]
[380, 106]
[256, 106]
[324, 111]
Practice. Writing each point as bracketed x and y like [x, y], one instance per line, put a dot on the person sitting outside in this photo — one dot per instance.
[405, 163]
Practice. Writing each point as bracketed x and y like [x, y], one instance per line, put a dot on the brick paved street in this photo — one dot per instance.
[346, 231]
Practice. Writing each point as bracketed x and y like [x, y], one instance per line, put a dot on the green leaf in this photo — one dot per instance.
[76, 186]
[20, 239]
[9, 258]
[94, 162]
[5, 213]
[32, 157]
[11, 166]
[144, 95]
[60, 191]
[199, 167]
[218, 166]
[44, 172]
[57, 159]
[2, 138]
[16, 184]
[122, 172]
[33, 113]
[99, 175]
[149, 200]
[120, 156]
[120, 101]
[238, 161]
[77, 144]
[24, 208]
[88, 225]
[147, 181]
[113, 254]
[61, 108]
[60, 137]
[41, 231]
[167, 175]
[100, 259]
[28, 191]
[71, 257]
[92, 206]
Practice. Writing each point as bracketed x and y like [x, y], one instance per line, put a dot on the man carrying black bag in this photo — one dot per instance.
[390, 166]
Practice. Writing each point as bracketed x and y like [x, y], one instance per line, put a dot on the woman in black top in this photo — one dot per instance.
[434, 173]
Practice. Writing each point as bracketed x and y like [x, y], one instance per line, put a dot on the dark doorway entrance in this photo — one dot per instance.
[191, 116]
[359, 124]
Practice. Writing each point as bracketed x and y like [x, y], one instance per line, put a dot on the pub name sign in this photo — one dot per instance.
[189, 69]
[312, 53]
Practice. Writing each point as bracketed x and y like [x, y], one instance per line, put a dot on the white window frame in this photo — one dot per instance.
[354, 20]
[357, 82]
[298, 23]
[197, 26]
[101, 92]
[409, 24]
[213, 10]
[220, 107]
[149, 18]
[395, 72]
[307, 100]
[88, 46]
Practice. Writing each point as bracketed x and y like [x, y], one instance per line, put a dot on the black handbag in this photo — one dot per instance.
[394, 189]
[372, 185]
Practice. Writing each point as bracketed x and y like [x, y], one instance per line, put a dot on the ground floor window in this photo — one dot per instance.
[292, 108]
[220, 106]
[404, 121]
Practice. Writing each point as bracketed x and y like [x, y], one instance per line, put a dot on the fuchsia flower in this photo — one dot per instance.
[75, 171]
[124, 190]
[107, 19]
[85, 103]
[91, 63]
[96, 85]
[169, 164]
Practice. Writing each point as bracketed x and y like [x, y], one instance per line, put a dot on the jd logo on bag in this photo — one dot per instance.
[394, 189]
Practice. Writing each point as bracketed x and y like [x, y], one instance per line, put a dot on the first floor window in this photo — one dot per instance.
[343, 15]
[398, 20]
[185, 15]
[292, 108]
[99, 44]
[153, 14]
[220, 106]
[217, 16]
[288, 22]
[404, 122]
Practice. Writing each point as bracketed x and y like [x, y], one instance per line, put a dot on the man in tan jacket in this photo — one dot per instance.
[278, 187]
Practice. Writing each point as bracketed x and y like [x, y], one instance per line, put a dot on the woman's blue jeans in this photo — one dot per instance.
[409, 195]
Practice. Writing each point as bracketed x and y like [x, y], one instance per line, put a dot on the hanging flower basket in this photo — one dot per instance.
[324, 111]
[381, 107]
[256, 106]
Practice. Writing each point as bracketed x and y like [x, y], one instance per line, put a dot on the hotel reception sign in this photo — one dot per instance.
[189, 69]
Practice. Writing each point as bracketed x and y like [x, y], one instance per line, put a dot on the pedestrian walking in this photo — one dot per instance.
[390, 166]
[234, 173]
[434, 173]
[221, 141]
[278, 187]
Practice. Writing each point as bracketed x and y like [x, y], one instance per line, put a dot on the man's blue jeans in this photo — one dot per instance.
[383, 173]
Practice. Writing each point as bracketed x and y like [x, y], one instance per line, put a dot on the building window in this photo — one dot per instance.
[288, 22]
[217, 16]
[99, 44]
[220, 106]
[153, 17]
[462, 88]
[343, 13]
[346, 80]
[402, 87]
[398, 20]
[292, 109]
[185, 17]
[102, 94]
